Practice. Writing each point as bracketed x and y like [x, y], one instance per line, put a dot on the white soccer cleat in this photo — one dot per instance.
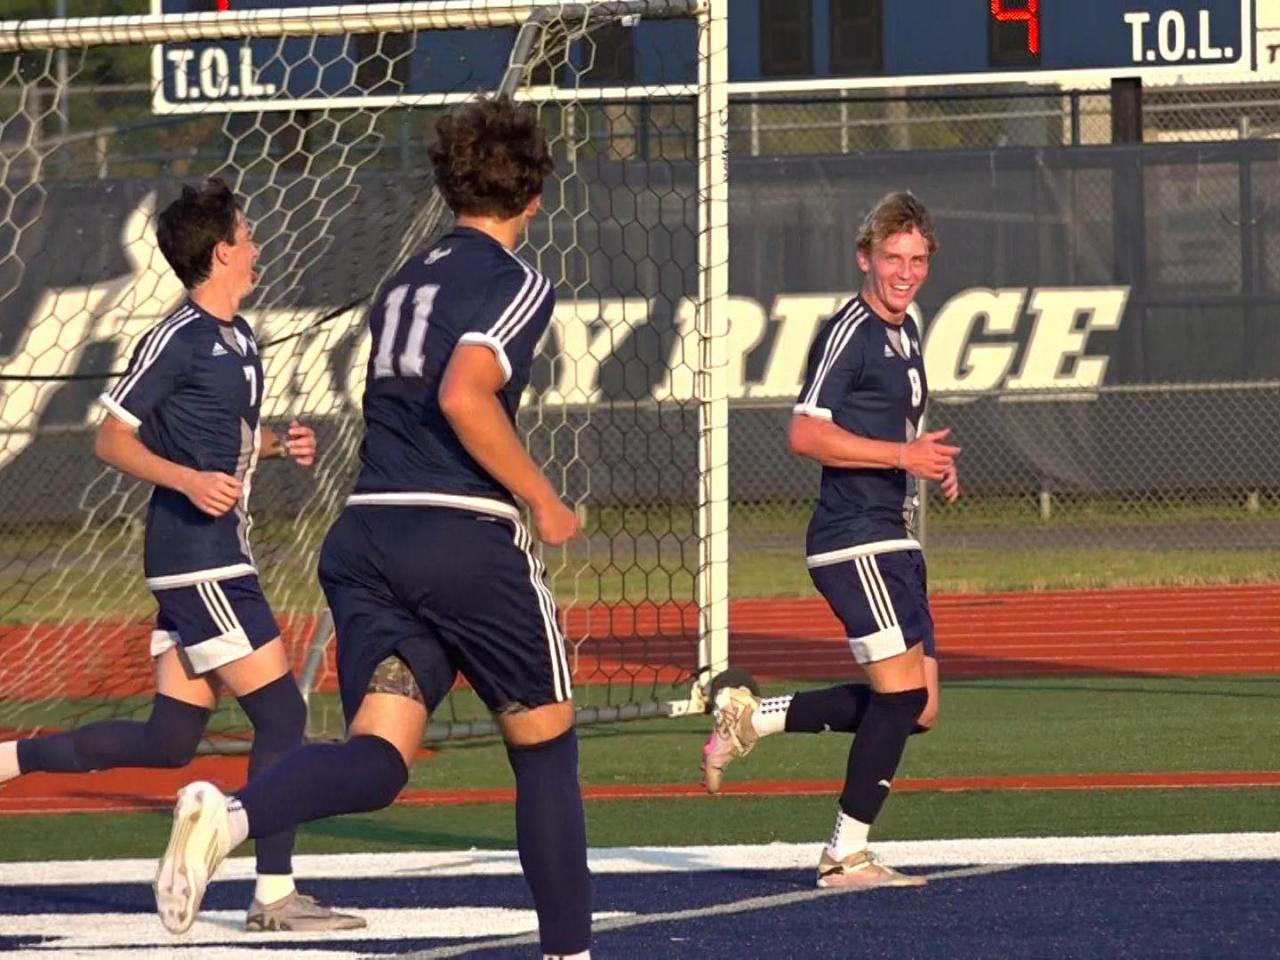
[733, 737]
[199, 841]
[863, 871]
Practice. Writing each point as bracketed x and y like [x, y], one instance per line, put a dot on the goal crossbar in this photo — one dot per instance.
[22, 35]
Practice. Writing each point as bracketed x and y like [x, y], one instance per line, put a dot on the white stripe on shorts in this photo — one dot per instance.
[887, 641]
[562, 678]
[219, 608]
[877, 593]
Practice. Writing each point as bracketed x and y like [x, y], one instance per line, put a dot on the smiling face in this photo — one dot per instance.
[895, 270]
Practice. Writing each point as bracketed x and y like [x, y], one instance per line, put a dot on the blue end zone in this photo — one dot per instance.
[1192, 909]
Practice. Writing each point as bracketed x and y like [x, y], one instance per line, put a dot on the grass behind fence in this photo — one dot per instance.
[649, 554]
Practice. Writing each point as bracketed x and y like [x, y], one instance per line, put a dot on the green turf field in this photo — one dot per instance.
[992, 727]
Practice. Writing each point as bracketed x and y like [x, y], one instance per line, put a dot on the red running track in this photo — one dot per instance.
[115, 791]
[1182, 631]
[1155, 631]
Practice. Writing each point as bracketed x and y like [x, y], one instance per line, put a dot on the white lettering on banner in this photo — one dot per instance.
[66, 321]
[747, 325]
[589, 332]
[304, 378]
[799, 315]
[1057, 337]
[950, 361]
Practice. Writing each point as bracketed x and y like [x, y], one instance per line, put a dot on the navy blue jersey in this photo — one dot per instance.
[192, 391]
[465, 289]
[867, 376]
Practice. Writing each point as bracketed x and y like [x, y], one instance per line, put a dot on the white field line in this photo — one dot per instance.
[774, 856]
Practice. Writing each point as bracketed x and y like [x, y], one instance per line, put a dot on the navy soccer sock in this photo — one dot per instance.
[834, 708]
[279, 719]
[323, 780]
[552, 836]
[167, 739]
[839, 709]
[877, 750]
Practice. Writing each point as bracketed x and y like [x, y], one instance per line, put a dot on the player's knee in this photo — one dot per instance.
[902, 710]
[174, 731]
[553, 761]
[277, 712]
[172, 752]
[523, 727]
[382, 767]
[927, 720]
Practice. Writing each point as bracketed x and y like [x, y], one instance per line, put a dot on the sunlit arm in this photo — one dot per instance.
[469, 401]
[833, 446]
[118, 446]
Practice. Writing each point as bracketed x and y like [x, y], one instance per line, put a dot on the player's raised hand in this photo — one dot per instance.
[555, 521]
[300, 444]
[928, 457]
[950, 485]
[212, 492]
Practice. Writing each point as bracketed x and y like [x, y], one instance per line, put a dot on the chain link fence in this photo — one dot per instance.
[1147, 472]
[1100, 337]
[106, 129]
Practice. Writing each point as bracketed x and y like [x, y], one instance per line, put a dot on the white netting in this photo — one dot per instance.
[336, 182]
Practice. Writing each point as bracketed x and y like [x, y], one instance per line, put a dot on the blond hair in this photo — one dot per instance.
[897, 212]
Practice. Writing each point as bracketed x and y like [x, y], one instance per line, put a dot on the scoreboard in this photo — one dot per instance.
[774, 45]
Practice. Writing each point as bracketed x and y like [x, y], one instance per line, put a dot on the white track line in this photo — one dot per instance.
[1169, 848]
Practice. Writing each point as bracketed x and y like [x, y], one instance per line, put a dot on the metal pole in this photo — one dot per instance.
[713, 328]
[64, 100]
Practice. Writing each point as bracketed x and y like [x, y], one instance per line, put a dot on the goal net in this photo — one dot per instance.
[320, 119]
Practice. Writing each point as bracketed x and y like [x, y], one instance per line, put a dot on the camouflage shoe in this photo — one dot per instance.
[298, 913]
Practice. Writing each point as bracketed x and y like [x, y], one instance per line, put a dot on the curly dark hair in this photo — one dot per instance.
[490, 158]
[190, 227]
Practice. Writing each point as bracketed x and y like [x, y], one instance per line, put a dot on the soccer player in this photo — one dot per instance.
[429, 570]
[859, 416]
[184, 417]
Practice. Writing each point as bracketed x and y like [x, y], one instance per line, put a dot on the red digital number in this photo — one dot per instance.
[1029, 13]
[225, 5]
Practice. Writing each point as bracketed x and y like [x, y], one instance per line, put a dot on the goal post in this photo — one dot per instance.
[319, 117]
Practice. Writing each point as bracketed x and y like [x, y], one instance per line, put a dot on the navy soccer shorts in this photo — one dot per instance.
[447, 591]
[213, 623]
[882, 600]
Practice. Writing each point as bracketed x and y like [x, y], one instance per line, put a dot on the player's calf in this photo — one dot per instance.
[316, 781]
[279, 718]
[551, 834]
[167, 739]
[873, 761]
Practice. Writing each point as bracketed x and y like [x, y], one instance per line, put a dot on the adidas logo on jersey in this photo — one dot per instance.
[435, 255]
[888, 351]
[218, 350]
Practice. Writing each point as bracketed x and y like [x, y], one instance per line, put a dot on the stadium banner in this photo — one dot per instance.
[1062, 275]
